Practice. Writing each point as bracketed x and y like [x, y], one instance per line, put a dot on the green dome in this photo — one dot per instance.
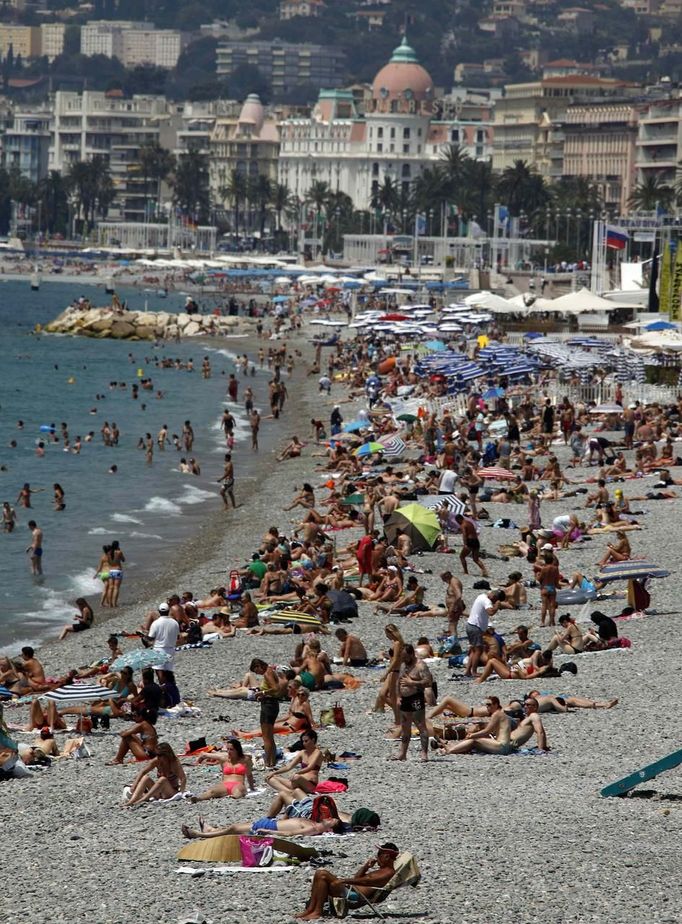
[404, 54]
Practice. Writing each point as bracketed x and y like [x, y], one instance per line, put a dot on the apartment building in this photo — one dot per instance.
[528, 120]
[26, 144]
[285, 65]
[659, 140]
[288, 9]
[133, 43]
[90, 123]
[159, 47]
[52, 39]
[247, 142]
[23, 40]
[600, 143]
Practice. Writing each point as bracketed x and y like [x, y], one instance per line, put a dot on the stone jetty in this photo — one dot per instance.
[119, 324]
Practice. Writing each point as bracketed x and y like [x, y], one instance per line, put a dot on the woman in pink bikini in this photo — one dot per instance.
[237, 771]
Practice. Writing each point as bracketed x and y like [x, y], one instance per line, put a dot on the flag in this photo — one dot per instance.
[419, 225]
[653, 279]
[675, 312]
[665, 281]
[616, 238]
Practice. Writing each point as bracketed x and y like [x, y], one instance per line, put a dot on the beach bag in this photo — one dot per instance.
[255, 852]
[327, 717]
[235, 582]
[458, 660]
[363, 818]
[339, 716]
[194, 634]
[333, 784]
[323, 808]
[300, 808]
[450, 646]
[199, 744]
[81, 751]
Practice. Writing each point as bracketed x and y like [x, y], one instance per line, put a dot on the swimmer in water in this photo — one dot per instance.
[9, 517]
[58, 497]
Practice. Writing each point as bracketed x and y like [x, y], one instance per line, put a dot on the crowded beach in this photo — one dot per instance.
[443, 618]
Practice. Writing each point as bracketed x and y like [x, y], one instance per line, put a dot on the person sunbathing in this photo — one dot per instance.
[618, 551]
[308, 761]
[246, 688]
[562, 704]
[493, 738]
[292, 450]
[140, 739]
[365, 882]
[289, 827]
[515, 595]
[121, 689]
[538, 664]
[170, 778]
[218, 624]
[304, 498]
[236, 769]
[570, 639]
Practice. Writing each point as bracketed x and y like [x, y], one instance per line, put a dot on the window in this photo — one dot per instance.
[393, 133]
[380, 132]
[480, 136]
[392, 148]
[454, 136]
[419, 132]
[375, 169]
[406, 149]
[406, 133]
[380, 148]
[406, 171]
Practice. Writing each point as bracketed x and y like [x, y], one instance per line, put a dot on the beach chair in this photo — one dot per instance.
[406, 873]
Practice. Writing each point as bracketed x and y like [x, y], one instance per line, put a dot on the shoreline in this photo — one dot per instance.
[588, 860]
[146, 581]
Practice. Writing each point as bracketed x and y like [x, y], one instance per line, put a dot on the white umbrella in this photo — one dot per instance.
[434, 501]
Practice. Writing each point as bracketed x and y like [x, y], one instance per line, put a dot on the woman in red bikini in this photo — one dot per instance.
[237, 771]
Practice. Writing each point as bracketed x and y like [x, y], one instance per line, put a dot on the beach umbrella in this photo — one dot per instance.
[661, 325]
[393, 446]
[407, 418]
[417, 522]
[607, 409]
[139, 658]
[436, 345]
[80, 693]
[635, 570]
[284, 616]
[434, 501]
[495, 473]
[352, 284]
[368, 449]
[394, 317]
[355, 425]
[493, 393]
[281, 298]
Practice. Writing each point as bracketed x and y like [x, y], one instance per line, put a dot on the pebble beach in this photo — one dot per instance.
[524, 838]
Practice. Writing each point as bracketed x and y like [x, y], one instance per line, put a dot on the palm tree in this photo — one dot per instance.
[91, 187]
[454, 161]
[431, 191]
[260, 193]
[318, 197]
[521, 188]
[280, 200]
[386, 197]
[53, 199]
[651, 193]
[478, 186]
[235, 192]
[156, 163]
[190, 184]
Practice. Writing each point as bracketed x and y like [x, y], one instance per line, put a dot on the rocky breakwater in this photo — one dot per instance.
[139, 325]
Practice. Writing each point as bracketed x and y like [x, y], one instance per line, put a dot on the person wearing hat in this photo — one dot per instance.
[372, 875]
[163, 636]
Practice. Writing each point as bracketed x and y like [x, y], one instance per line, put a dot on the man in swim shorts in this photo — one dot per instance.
[493, 738]
[36, 548]
[365, 882]
[303, 827]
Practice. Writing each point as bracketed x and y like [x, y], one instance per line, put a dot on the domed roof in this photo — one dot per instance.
[403, 76]
[252, 111]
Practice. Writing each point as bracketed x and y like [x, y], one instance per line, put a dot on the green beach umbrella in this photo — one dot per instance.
[407, 418]
[368, 449]
[419, 523]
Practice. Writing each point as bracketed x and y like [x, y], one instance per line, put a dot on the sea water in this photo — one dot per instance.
[150, 509]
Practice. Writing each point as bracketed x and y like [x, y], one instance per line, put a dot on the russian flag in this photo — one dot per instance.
[616, 238]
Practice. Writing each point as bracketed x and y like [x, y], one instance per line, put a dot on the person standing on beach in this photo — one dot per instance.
[163, 634]
[227, 481]
[271, 690]
[255, 427]
[116, 560]
[413, 681]
[227, 424]
[470, 545]
[35, 549]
